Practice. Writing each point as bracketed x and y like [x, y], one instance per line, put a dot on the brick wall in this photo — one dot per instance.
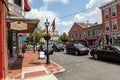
[111, 18]
[76, 29]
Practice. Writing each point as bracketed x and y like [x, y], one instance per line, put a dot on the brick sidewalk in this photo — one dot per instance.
[31, 60]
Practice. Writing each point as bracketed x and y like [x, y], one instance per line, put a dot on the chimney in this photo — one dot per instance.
[96, 23]
[87, 22]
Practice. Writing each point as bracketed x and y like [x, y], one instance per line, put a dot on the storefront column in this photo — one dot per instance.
[1, 56]
[3, 41]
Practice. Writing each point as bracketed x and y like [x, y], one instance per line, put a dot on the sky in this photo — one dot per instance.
[65, 12]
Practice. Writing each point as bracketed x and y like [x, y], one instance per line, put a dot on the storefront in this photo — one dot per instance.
[113, 38]
[17, 28]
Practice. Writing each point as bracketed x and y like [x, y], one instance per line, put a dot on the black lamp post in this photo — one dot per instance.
[47, 25]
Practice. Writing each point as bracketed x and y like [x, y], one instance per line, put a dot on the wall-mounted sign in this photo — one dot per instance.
[18, 25]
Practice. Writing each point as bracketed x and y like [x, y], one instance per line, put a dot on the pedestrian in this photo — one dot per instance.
[41, 53]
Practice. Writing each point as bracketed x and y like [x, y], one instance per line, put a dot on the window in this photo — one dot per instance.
[113, 11]
[114, 25]
[18, 2]
[93, 32]
[70, 36]
[88, 33]
[106, 12]
[107, 26]
[73, 36]
[80, 34]
[76, 35]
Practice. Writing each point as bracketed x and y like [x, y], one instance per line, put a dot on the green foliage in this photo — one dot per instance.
[64, 38]
[34, 37]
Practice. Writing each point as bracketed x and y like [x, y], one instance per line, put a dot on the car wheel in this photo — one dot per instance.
[95, 56]
[76, 53]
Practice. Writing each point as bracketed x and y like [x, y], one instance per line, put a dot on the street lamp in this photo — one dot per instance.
[47, 25]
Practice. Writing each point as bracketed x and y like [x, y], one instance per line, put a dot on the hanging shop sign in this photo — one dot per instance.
[18, 25]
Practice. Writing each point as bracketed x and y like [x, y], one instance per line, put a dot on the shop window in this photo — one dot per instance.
[90, 42]
[18, 2]
[107, 26]
[113, 11]
[114, 25]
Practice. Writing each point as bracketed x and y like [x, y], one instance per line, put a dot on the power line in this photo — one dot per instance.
[81, 11]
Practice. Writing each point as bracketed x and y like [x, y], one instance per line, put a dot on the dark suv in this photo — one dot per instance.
[77, 49]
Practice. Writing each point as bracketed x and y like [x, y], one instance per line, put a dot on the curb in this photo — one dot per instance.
[62, 69]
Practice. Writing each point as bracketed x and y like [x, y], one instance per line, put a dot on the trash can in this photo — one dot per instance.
[41, 55]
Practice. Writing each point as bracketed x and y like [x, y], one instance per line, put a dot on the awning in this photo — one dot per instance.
[31, 24]
[26, 6]
[91, 38]
[78, 40]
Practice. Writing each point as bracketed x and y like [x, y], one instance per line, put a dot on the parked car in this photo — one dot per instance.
[106, 51]
[50, 49]
[77, 49]
[58, 47]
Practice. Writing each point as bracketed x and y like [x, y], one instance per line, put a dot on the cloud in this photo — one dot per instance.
[42, 14]
[63, 1]
[29, 1]
[93, 13]
[79, 18]
[96, 3]
[64, 26]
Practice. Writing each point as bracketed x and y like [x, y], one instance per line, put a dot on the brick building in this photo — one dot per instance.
[111, 21]
[12, 11]
[83, 32]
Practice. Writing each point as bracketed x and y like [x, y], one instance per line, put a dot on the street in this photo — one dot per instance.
[85, 68]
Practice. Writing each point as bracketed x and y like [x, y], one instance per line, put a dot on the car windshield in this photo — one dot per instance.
[59, 45]
[45, 47]
[78, 45]
[117, 47]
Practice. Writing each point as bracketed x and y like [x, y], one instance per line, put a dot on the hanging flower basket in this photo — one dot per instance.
[47, 36]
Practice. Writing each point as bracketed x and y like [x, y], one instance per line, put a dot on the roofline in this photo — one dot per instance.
[92, 25]
[110, 3]
[95, 25]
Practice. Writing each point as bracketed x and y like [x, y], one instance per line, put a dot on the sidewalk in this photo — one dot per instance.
[30, 68]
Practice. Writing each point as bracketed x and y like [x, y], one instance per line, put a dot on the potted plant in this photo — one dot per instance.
[47, 36]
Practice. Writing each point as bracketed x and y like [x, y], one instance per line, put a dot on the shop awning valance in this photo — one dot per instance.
[31, 24]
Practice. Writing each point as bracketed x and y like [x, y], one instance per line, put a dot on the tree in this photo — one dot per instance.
[35, 36]
[64, 38]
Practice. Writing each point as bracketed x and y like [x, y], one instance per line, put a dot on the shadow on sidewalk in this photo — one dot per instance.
[34, 63]
[17, 64]
[15, 69]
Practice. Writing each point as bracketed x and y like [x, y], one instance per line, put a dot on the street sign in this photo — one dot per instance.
[22, 38]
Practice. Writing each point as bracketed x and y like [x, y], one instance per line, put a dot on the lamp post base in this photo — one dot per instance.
[48, 62]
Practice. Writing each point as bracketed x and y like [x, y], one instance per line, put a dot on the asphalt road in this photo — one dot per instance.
[85, 68]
